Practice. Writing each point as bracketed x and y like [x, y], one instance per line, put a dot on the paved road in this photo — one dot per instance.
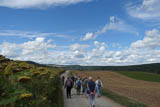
[82, 101]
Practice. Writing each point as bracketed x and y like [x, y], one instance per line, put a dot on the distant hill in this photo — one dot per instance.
[36, 64]
[154, 68]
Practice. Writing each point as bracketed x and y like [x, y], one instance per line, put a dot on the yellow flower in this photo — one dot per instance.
[24, 79]
[43, 73]
[26, 95]
[41, 68]
[22, 64]
[35, 73]
[44, 98]
[51, 77]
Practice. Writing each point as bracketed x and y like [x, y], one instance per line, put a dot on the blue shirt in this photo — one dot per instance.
[91, 86]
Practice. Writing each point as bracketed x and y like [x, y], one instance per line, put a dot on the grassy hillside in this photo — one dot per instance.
[27, 85]
[154, 68]
[141, 76]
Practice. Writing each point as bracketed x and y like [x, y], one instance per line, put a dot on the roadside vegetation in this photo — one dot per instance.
[141, 76]
[27, 85]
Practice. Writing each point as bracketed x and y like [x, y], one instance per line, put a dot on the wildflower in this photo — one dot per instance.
[42, 69]
[26, 95]
[16, 70]
[35, 73]
[22, 64]
[51, 77]
[44, 98]
[24, 79]
[43, 73]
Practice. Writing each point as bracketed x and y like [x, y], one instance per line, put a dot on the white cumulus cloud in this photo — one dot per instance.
[146, 50]
[150, 41]
[89, 36]
[36, 50]
[77, 46]
[19, 4]
[147, 10]
[114, 24]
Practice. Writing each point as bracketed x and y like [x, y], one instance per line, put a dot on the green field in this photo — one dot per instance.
[141, 75]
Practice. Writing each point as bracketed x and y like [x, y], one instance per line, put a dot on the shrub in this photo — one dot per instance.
[27, 85]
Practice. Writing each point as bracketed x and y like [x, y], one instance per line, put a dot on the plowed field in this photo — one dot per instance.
[142, 91]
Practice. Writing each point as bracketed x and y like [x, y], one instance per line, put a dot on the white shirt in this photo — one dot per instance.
[97, 83]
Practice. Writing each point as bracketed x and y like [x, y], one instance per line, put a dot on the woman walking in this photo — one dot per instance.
[91, 86]
[98, 86]
[68, 86]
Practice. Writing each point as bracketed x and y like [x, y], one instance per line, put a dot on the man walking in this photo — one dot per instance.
[79, 85]
[63, 79]
[91, 86]
[98, 86]
[73, 79]
[85, 81]
[68, 86]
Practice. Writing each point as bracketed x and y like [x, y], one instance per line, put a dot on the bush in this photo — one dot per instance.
[33, 86]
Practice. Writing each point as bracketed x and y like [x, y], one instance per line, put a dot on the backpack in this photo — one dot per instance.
[99, 83]
[69, 84]
[79, 83]
[85, 83]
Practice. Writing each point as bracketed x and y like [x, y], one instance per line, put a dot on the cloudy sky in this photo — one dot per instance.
[84, 32]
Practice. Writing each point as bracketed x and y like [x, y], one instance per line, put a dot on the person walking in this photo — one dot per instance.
[73, 79]
[68, 86]
[91, 90]
[83, 88]
[79, 85]
[63, 79]
[98, 86]
[85, 81]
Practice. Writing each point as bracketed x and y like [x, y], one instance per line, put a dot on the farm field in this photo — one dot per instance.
[139, 90]
[152, 77]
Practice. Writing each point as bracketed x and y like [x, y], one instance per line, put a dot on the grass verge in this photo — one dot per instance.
[141, 75]
[125, 101]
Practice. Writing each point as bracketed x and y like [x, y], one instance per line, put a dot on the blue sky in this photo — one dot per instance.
[84, 32]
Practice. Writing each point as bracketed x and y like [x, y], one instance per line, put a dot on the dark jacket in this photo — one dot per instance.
[71, 83]
[91, 86]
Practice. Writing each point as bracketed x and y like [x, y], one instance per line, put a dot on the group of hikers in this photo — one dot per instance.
[87, 86]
